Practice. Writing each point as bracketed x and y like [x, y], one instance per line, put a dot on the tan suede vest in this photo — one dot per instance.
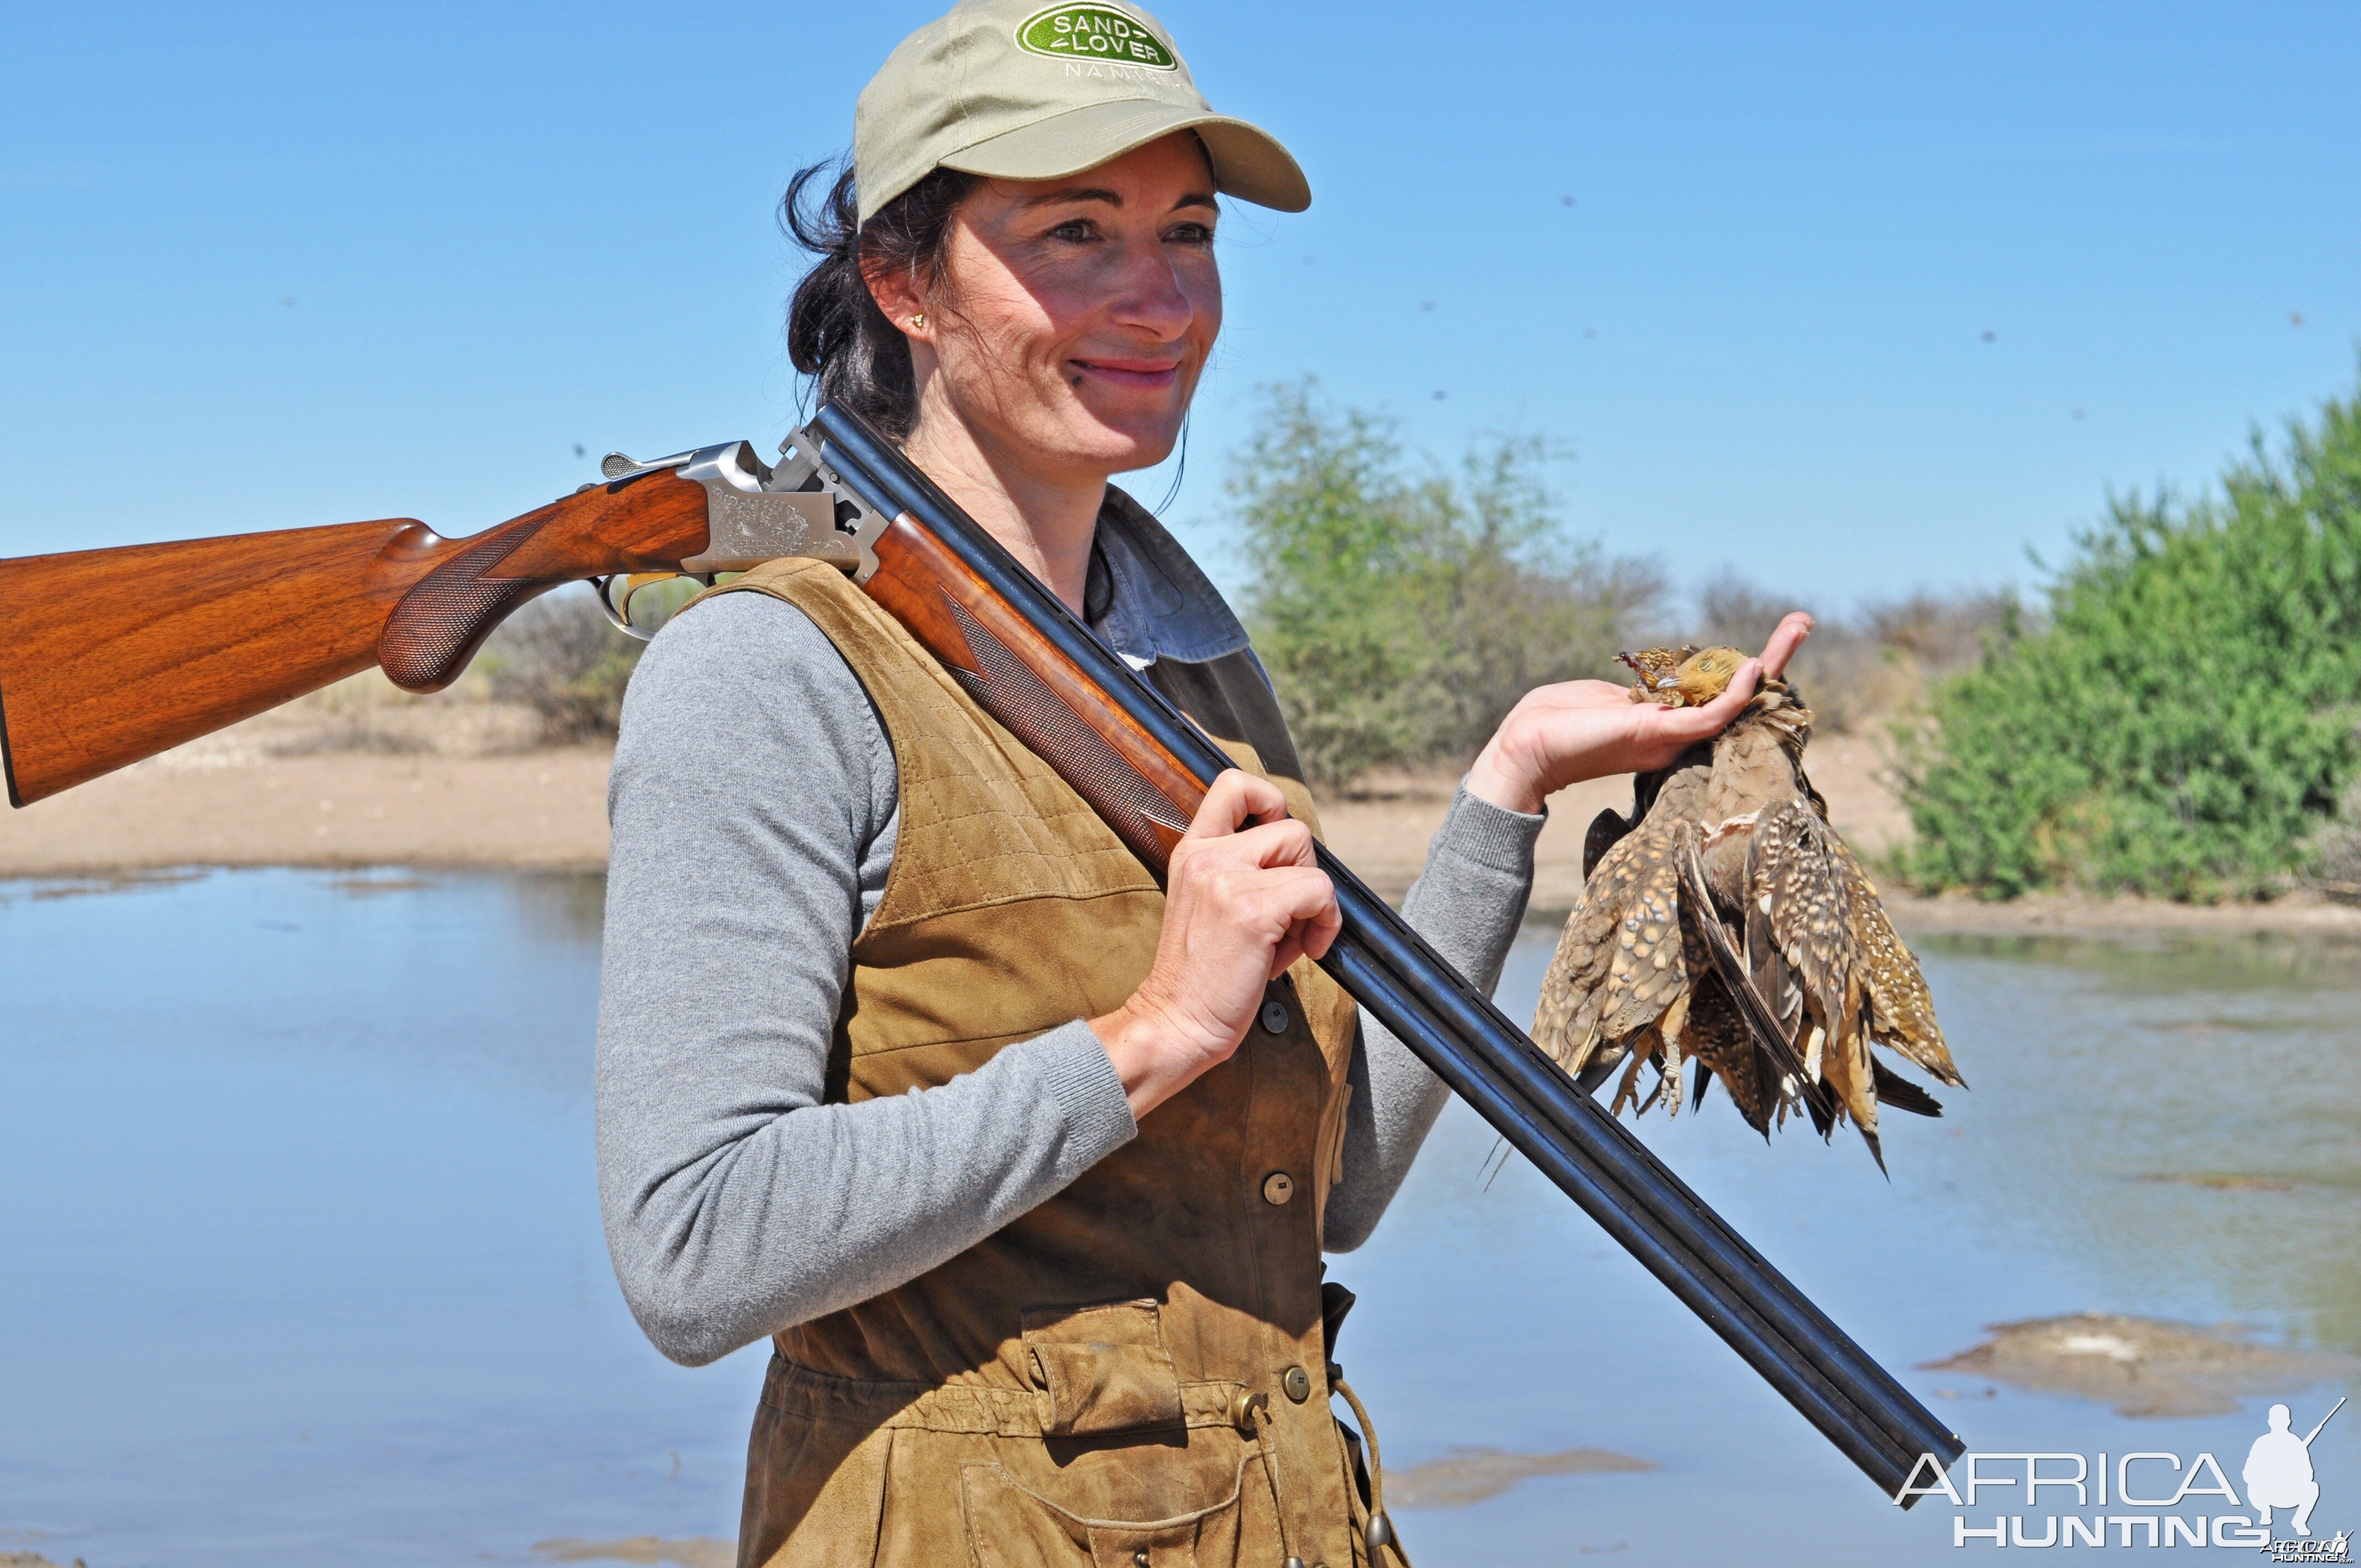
[1075, 1388]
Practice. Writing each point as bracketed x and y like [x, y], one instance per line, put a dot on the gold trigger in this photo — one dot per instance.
[634, 583]
[616, 593]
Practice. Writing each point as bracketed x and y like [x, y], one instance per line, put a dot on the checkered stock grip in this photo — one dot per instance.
[1020, 678]
[438, 625]
[465, 587]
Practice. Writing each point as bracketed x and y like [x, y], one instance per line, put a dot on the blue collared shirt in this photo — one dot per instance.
[1147, 598]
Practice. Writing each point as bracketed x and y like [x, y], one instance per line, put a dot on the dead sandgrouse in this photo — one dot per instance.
[1725, 923]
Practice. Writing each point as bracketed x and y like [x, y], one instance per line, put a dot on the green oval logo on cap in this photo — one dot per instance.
[1095, 32]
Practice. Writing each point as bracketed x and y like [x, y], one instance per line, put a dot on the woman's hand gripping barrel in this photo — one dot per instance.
[1244, 900]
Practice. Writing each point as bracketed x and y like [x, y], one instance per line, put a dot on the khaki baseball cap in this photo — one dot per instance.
[1020, 90]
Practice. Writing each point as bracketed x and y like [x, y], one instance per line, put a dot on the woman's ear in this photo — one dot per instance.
[897, 294]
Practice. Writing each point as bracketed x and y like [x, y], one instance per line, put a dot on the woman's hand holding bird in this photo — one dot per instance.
[1563, 734]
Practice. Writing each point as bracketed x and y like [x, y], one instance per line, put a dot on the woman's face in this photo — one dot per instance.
[1077, 314]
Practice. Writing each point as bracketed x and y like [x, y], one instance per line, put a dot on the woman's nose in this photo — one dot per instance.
[1150, 296]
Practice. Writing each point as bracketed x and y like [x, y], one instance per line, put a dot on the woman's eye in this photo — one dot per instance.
[1191, 234]
[1075, 229]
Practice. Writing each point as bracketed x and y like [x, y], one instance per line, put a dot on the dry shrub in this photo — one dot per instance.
[559, 656]
[1860, 670]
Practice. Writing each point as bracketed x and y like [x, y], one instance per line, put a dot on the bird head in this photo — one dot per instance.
[1688, 677]
[1706, 673]
[1655, 667]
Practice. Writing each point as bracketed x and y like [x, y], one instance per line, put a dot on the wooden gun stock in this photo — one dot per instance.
[107, 656]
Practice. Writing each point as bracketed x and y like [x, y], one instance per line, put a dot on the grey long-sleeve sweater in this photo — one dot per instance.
[754, 809]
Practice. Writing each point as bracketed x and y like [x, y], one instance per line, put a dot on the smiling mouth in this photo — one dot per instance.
[1131, 372]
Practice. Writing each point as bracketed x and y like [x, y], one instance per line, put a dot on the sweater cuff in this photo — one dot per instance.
[1089, 1092]
[1490, 836]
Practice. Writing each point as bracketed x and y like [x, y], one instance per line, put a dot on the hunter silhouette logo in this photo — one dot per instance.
[1095, 32]
[2279, 1476]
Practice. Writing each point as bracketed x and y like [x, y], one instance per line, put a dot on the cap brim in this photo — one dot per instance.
[1248, 162]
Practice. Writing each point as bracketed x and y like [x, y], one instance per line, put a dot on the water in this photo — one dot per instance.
[305, 1259]
[1499, 1319]
[296, 1193]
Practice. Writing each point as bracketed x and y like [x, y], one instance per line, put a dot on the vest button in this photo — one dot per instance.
[1274, 1017]
[1245, 1411]
[1140, 1559]
[1297, 1383]
[1277, 1187]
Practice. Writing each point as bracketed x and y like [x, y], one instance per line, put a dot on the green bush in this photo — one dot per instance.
[1400, 616]
[2184, 725]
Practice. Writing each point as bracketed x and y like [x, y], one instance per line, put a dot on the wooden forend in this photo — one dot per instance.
[1024, 681]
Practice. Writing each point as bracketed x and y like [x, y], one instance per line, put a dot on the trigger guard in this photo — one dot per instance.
[618, 615]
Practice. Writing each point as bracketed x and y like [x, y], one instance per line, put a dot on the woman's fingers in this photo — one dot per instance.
[1267, 898]
[1218, 836]
[1305, 900]
[1285, 842]
[1241, 904]
[1236, 796]
[1784, 642]
[1316, 935]
[1263, 877]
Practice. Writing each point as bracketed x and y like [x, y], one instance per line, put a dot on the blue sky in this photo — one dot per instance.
[263, 266]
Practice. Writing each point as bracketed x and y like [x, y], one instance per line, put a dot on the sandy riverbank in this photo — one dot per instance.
[321, 785]
[544, 810]
[304, 786]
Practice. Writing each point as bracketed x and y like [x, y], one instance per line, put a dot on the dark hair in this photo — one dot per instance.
[836, 334]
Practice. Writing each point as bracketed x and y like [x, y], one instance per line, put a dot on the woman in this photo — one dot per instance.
[1024, 1164]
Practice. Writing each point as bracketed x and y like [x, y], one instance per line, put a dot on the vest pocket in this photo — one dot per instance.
[1101, 1369]
[1011, 1526]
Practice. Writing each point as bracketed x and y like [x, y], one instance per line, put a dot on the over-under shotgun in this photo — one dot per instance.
[107, 656]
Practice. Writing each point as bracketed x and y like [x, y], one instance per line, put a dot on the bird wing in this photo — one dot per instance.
[1645, 971]
[1760, 1024]
[1902, 1013]
[1898, 1092]
[1864, 984]
[1712, 1030]
[1617, 964]
[1844, 1062]
[1805, 902]
[1773, 977]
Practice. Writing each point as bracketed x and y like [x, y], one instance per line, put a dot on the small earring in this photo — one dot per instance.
[919, 321]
